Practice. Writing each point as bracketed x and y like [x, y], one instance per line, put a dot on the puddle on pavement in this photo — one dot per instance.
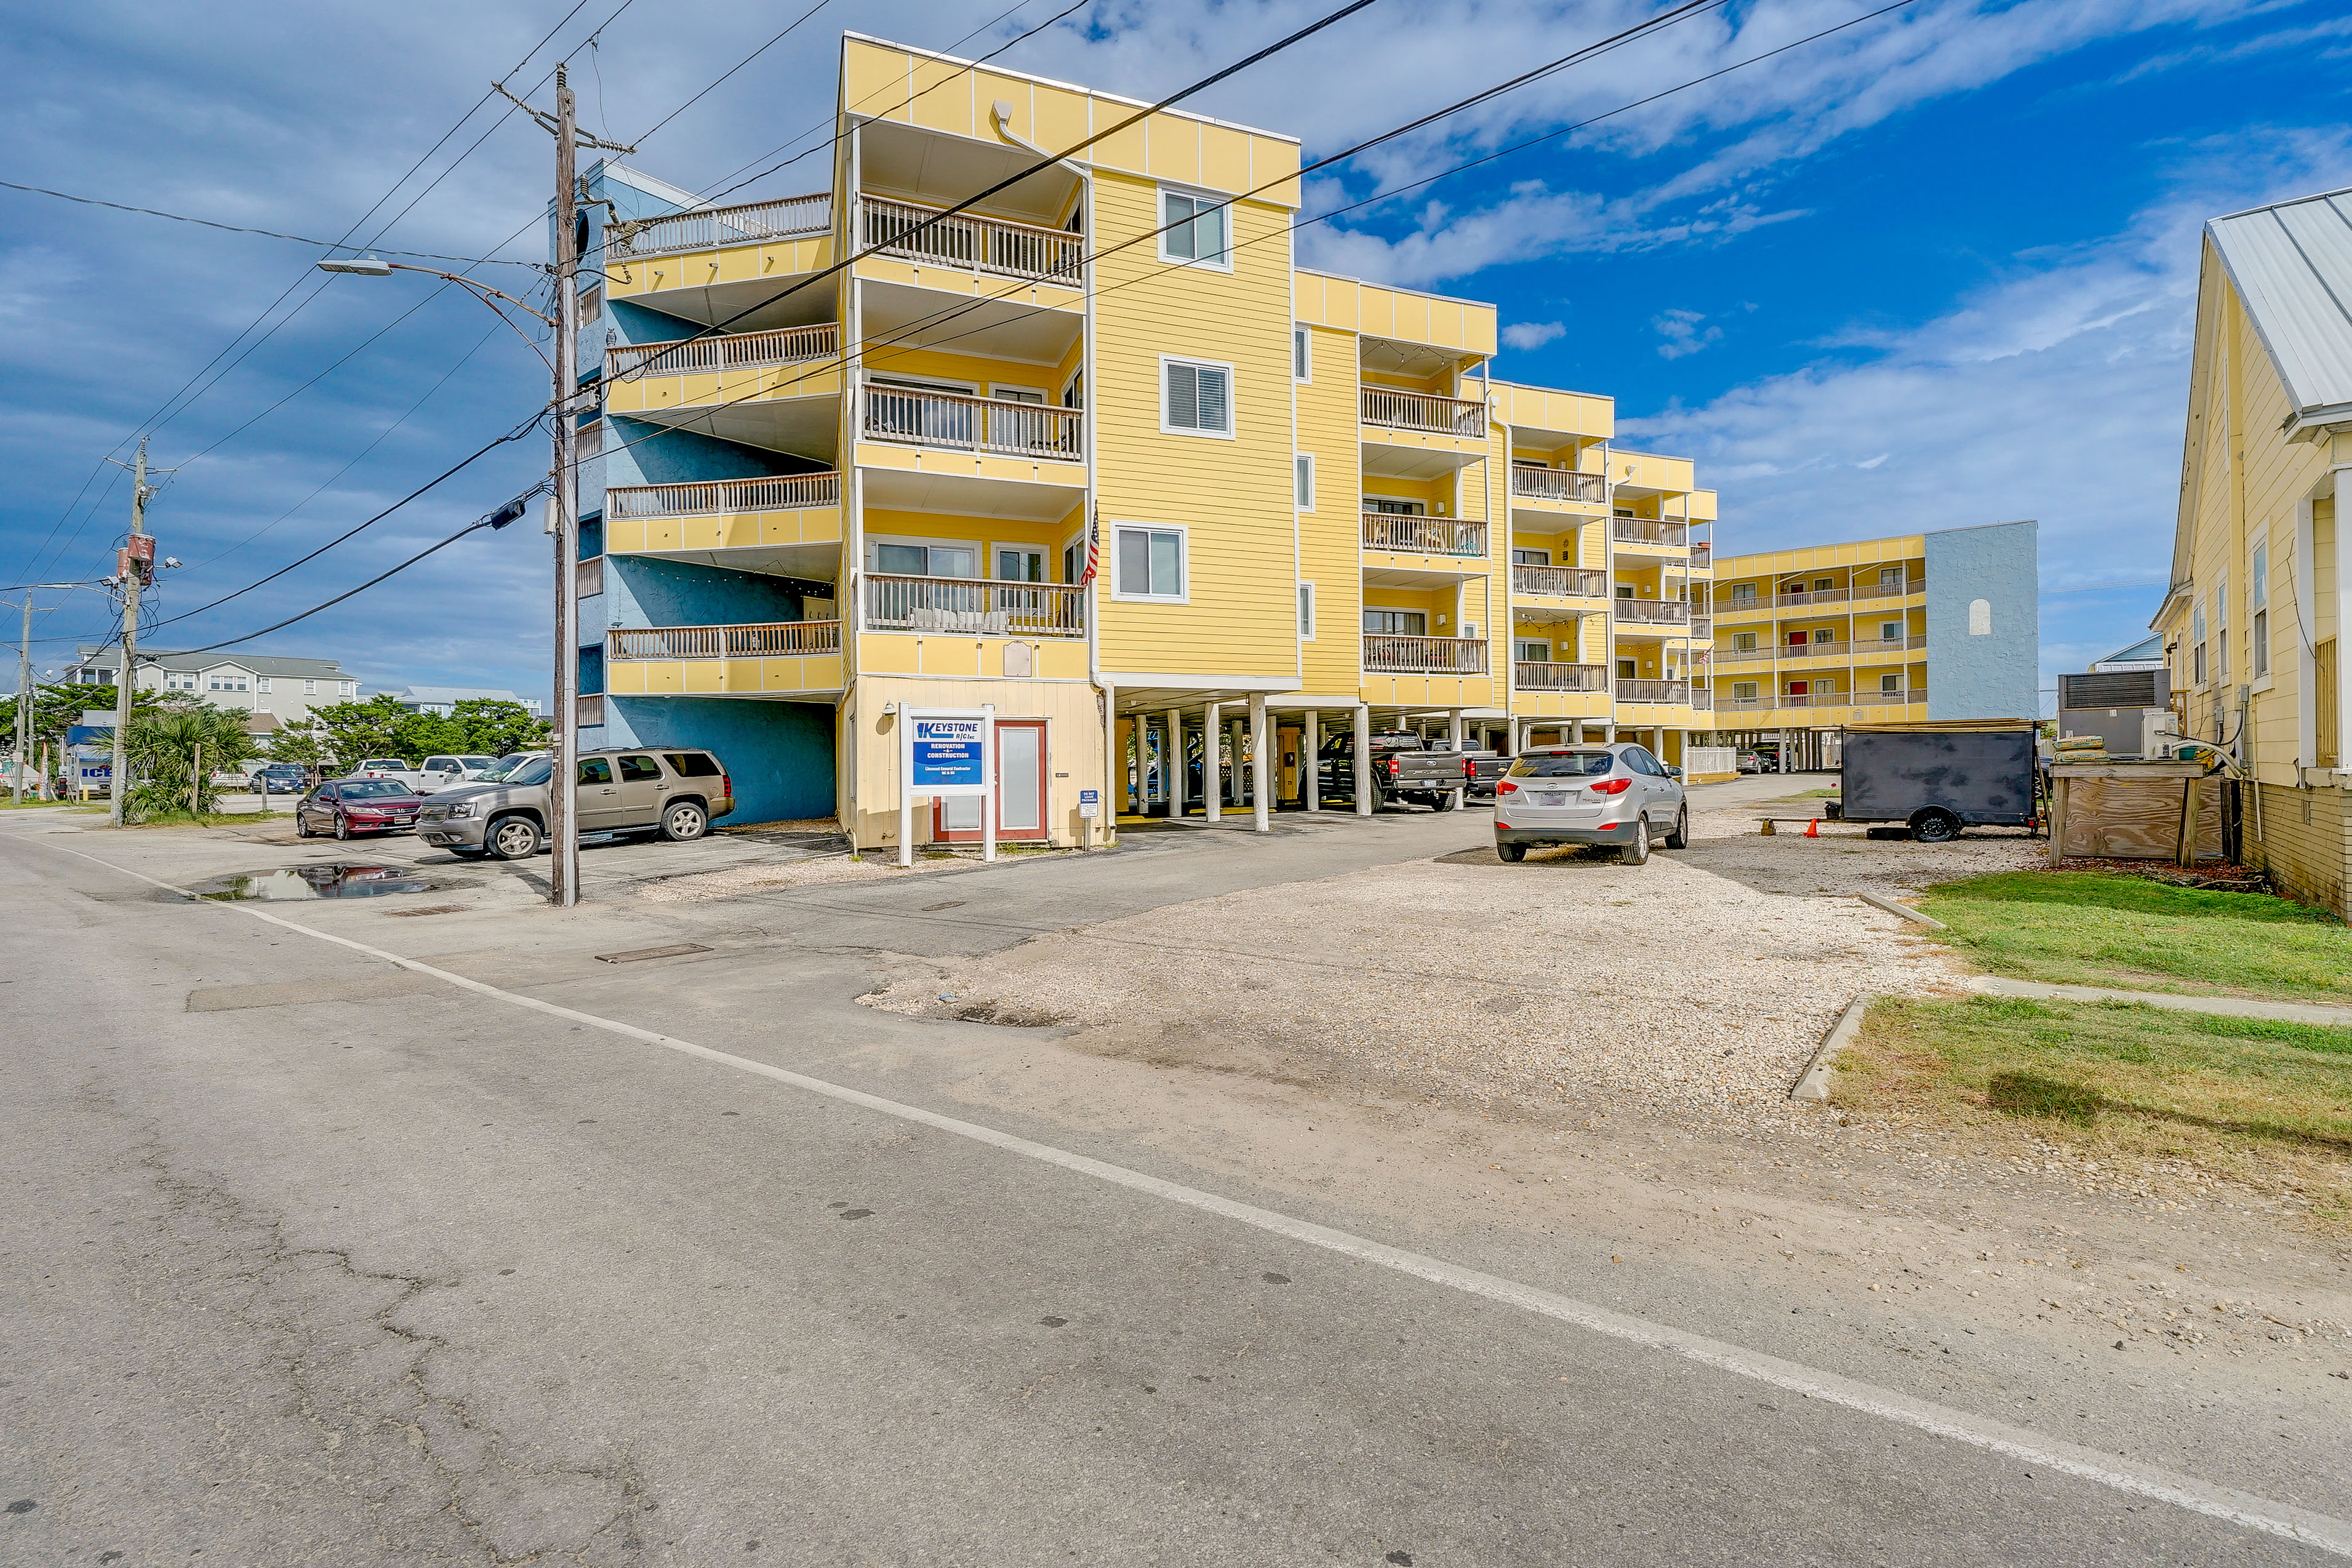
[296, 884]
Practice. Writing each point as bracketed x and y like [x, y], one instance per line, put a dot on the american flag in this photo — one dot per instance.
[1094, 546]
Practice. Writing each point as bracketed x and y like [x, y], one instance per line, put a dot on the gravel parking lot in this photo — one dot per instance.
[1695, 986]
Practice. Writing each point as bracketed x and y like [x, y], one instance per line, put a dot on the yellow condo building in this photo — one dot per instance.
[2261, 583]
[1094, 452]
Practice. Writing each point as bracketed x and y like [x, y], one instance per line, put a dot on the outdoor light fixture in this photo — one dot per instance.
[367, 266]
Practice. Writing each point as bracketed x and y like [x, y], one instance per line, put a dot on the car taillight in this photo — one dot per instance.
[1506, 787]
[1395, 767]
[1612, 786]
[726, 784]
[1469, 769]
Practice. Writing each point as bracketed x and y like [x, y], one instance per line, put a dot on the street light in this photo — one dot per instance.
[365, 266]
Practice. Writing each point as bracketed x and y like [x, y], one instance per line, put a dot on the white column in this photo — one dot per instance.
[1454, 740]
[1175, 719]
[987, 777]
[1236, 733]
[1212, 796]
[1311, 741]
[1575, 728]
[1363, 760]
[1609, 729]
[1261, 767]
[1109, 821]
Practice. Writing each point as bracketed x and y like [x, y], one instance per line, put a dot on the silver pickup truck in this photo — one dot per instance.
[1403, 771]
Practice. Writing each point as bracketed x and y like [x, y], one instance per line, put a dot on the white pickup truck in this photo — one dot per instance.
[438, 774]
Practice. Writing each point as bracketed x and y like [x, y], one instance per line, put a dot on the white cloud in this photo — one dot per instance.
[1682, 332]
[1532, 334]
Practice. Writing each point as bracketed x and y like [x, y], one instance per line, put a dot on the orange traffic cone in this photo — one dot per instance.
[1813, 828]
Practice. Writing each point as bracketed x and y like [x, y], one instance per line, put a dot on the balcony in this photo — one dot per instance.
[1703, 626]
[1840, 596]
[1425, 656]
[971, 243]
[1424, 535]
[1555, 484]
[588, 578]
[1653, 612]
[1561, 582]
[773, 639]
[788, 217]
[1559, 677]
[705, 497]
[1864, 647]
[1702, 556]
[1649, 530]
[1864, 591]
[994, 424]
[1681, 693]
[974, 608]
[1423, 411]
[721, 351]
[1828, 700]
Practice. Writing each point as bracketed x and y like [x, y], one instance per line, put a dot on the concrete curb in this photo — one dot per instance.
[2229, 1007]
[1813, 1085]
[1906, 910]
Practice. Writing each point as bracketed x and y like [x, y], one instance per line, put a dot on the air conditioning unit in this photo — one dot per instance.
[2115, 688]
[2160, 732]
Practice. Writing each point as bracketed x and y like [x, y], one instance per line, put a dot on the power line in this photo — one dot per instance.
[238, 228]
[738, 65]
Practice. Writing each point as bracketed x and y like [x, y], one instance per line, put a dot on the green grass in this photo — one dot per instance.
[1814, 795]
[2095, 928]
[2260, 1101]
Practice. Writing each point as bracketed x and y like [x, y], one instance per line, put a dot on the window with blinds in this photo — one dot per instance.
[1198, 399]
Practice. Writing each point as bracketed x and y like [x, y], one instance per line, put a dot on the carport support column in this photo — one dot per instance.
[1310, 742]
[1174, 760]
[1261, 767]
[1363, 761]
[1109, 821]
[1213, 796]
[1454, 741]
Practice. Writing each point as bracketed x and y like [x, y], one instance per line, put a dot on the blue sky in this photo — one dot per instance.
[1935, 270]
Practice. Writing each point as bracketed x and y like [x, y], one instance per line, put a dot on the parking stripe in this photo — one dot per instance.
[2124, 1475]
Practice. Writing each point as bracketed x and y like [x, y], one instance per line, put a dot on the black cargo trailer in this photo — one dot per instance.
[1937, 779]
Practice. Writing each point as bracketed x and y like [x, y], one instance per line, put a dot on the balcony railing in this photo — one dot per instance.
[788, 217]
[1702, 627]
[1562, 582]
[1888, 590]
[588, 578]
[971, 242]
[703, 498]
[1529, 677]
[1679, 692]
[767, 640]
[1829, 700]
[1864, 646]
[1558, 484]
[1653, 612]
[1860, 648]
[721, 351]
[1425, 656]
[1702, 555]
[996, 425]
[1424, 535]
[974, 606]
[1423, 411]
[1649, 530]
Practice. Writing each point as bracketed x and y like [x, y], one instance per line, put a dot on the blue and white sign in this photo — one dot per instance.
[1089, 803]
[947, 755]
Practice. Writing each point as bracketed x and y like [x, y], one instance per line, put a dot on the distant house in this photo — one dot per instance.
[443, 699]
[2146, 654]
[283, 688]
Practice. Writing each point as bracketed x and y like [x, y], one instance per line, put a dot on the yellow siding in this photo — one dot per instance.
[1329, 537]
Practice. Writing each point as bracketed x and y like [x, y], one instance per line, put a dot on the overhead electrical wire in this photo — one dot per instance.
[240, 228]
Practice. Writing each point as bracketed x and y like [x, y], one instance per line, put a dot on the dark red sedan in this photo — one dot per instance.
[346, 806]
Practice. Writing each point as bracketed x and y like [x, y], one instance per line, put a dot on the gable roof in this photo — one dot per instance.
[251, 663]
[2148, 650]
[2291, 263]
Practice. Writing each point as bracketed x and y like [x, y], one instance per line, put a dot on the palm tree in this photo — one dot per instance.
[176, 751]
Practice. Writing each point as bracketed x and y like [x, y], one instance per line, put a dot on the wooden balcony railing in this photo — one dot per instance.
[588, 578]
[703, 498]
[767, 640]
[1527, 677]
[1649, 530]
[1678, 692]
[1425, 656]
[971, 242]
[1866, 645]
[787, 217]
[1702, 555]
[1424, 535]
[1703, 626]
[1653, 612]
[721, 351]
[1558, 484]
[974, 606]
[1888, 590]
[1561, 582]
[1423, 411]
[996, 425]
[1827, 699]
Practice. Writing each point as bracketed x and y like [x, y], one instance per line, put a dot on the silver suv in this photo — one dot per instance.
[1617, 793]
[676, 791]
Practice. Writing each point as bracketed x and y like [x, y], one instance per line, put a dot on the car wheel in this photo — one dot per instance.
[301, 823]
[1514, 853]
[1935, 826]
[1637, 851]
[684, 822]
[1679, 838]
[343, 826]
[512, 839]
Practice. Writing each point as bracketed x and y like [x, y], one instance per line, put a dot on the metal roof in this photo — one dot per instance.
[251, 663]
[2292, 265]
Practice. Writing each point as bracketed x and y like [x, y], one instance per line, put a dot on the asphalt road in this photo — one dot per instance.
[311, 1259]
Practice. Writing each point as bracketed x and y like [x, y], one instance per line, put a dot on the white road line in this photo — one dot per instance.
[2124, 1475]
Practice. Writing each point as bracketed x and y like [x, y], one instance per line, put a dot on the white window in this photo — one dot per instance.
[590, 441]
[1743, 691]
[2258, 616]
[1151, 564]
[1890, 631]
[351, 688]
[310, 689]
[1020, 565]
[1890, 683]
[1530, 650]
[1890, 576]
[261, 683]
[1074, 559]
[1743, 593]
[1396, 623]
[2221, 627]
[923, 558]
[1307, 612]
[1302, 358]
[1197, 397]
[1530, 557]
[1302, 480]
[1196, 231]
[1743, 642]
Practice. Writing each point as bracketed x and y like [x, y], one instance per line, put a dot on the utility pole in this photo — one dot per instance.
[134, 562]
[24, 696]
[562, 794]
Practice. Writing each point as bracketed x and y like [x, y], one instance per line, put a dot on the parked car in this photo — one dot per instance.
[1402, 770]
[391, 768]
[1764, 757]
[282, 778]
[676, 793]
[1487, 770]
[345, 806]
[438, 773]
[1615, 794]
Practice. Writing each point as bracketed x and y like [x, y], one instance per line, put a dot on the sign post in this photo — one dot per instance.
[947, 753]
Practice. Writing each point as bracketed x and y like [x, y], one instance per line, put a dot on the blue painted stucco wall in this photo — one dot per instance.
[645, 591]
[1993, 671]
[779, 755]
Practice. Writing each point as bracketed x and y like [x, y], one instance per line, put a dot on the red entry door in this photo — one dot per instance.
[1021, 790]
[1797, 688]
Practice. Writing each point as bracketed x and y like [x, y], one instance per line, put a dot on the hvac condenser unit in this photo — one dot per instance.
[2115, 705]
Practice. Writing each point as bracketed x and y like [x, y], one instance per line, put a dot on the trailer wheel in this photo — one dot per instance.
[1933, 824]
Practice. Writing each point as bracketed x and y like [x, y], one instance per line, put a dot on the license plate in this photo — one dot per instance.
[1548, 799]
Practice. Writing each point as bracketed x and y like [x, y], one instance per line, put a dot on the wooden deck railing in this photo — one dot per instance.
[1425, 656]
[1649, 530]
[970, 241]
[1529, 677]
[787, 217]
[721, 351]
[702, 497]
[1653, 612]
[1558, 484]
[1675, 691]
[1423, 411]
[1562, 582]
[766, 640]
[998, 425]
[1424, 535]
[974, 606]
